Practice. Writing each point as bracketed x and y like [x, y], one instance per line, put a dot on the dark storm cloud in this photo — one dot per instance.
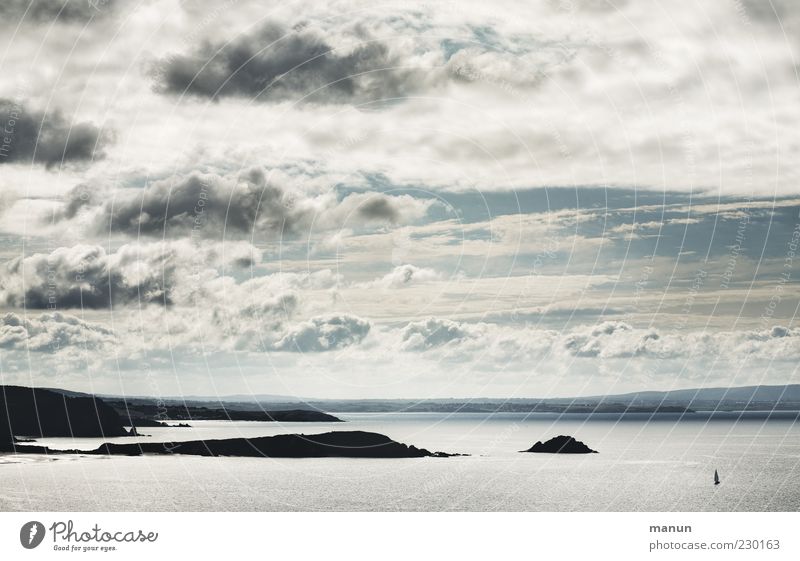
[40, 11]
[195, 200]
[210, 206]
[772, 12]
[181, 205]
[379, 209]
[276, 64]
[46, 138]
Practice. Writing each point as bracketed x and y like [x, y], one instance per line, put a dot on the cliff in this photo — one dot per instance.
[38, 413]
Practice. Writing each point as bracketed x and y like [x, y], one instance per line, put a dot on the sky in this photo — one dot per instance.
[399, 199]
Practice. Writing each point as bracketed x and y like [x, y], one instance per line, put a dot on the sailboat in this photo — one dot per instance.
[716, 478]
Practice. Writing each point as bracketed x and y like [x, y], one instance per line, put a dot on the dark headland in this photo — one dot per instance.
[39, 413]
[561, 445]
[339, 444]
[148, 412]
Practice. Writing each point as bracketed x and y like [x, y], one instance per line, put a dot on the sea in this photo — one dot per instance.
[645, 462]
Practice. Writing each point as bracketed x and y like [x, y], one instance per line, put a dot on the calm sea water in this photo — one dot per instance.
[644, 464]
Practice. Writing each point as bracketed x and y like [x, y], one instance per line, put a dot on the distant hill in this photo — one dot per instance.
[70, 393]
[258, 398]
[742, 396]
[779, 397]
[139, 410]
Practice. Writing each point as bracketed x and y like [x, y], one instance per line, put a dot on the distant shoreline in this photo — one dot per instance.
[736, 399]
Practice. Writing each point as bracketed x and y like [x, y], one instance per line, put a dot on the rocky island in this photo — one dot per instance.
[561, 445]
[341, 444]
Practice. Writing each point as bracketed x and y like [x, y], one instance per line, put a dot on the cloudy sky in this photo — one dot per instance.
[399, 199]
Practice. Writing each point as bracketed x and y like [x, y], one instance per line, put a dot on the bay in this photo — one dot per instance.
[645, 463]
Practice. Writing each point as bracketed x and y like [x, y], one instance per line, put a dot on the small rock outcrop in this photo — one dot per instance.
[561, 445]
[143, 422]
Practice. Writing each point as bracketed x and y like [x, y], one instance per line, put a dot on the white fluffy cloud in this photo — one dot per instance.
[52, 333]
[324, 334]
[87, 276]
[434, 352]
[403, 276]
[7, 200]
[437, 332]
[606, 340]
